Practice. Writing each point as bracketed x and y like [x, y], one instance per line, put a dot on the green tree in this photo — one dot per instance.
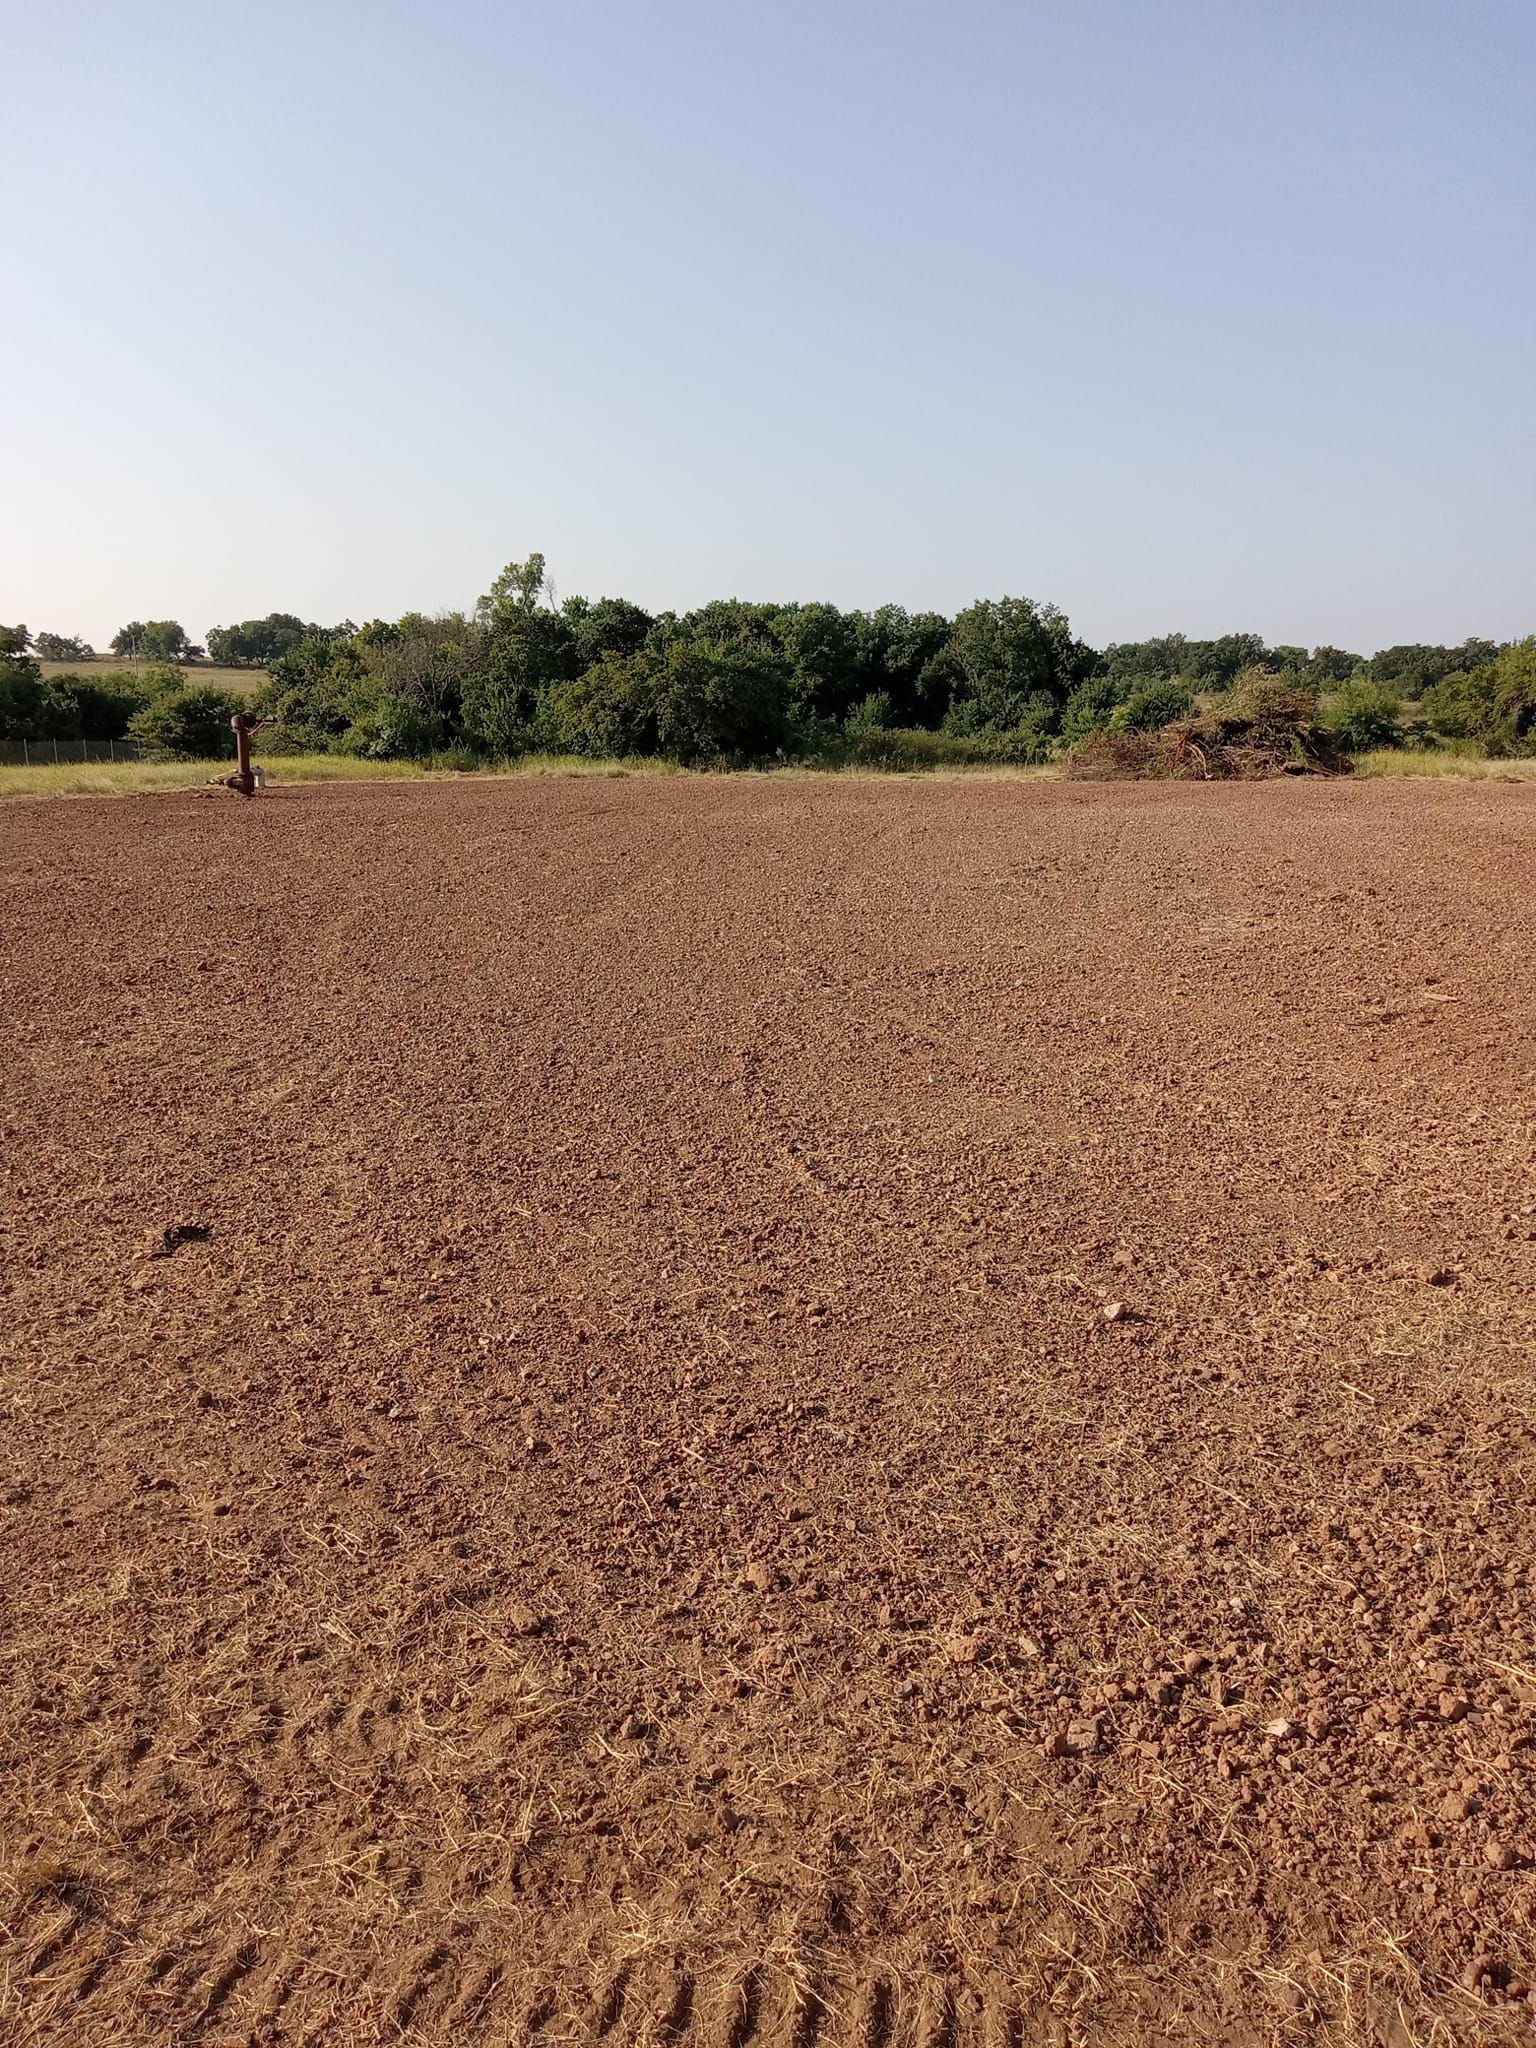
[903, 654]
[692, 700]
[874, 713]
[153, 640]
[1218, 664]
[1493, 704]
[322, 698]
[22, 696]
[63, 647]
[1015, 663]
[722, 703]
[608, 625]
[820, 645]
[517, 592]
[77, 708]
[189, 725]
[1091, 707]
[1329, 665]
[612, 709]
[1153, 705]
[429, 668]
[1415, 668]
[1363, 714]
[255, 643]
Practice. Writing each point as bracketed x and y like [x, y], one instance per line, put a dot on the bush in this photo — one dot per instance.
[189, 725]
[873, 713]
[63, 647]
[692, 701]
[1090, 707]
[1492, 705]
[909, 749]
[78, 709]
[610, 711]
[1153, 706]
[1363, 715]
[1026, 738]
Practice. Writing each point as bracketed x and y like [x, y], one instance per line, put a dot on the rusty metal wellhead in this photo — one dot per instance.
[246, 780]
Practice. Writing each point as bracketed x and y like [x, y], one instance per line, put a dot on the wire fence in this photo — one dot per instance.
[36, 753]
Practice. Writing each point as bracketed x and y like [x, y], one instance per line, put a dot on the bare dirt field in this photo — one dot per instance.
[811, 1412]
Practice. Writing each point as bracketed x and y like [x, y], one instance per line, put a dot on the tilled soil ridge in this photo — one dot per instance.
[728, 1410]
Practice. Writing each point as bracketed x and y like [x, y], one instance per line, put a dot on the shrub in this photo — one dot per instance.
[189, 725]
[1090, 707]
[75, 708]
[1363, 715]
[1493, 704]
[63, 647]
[1026, 736]
[1153, 706]
[909, 749]
[609, 711]
[692, 700]
[873, 713]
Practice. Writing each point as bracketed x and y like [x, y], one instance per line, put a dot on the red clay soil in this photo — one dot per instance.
[725, 1410]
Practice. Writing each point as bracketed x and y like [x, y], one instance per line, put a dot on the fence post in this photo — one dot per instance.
[55, 753]
[26, 758]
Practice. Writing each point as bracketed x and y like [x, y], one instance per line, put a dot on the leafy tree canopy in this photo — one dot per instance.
[255, 643]
[189, 725]
[153, 640]
[63, 647]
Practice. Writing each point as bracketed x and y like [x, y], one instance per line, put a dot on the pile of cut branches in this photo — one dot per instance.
[1263, 726]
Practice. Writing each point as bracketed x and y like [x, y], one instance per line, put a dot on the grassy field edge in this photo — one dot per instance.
[138, 778]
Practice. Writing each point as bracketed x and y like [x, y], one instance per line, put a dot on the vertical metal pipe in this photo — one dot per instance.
[243, 724]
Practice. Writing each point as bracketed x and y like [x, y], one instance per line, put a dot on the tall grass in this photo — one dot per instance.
[1443, 761]
[139, 778]
[136, 778]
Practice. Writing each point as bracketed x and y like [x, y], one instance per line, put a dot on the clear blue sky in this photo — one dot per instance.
[1179, 314]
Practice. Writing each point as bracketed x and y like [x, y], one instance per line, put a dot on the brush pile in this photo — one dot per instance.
[1263, 726]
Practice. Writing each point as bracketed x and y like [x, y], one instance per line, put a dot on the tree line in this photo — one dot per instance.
[737, 682]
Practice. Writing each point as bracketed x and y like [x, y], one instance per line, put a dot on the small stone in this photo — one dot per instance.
[1280, 1730]
[1437, 1276]
[1057, 1745]
[526, 1621]
[1499, 1855]
[1472, 1976]
[757, 1578]
[1195, 1661]
[1453, 1706]
[1083, 1736]
[1114, 1311]
[1455, 1806]
[1162, 1692]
